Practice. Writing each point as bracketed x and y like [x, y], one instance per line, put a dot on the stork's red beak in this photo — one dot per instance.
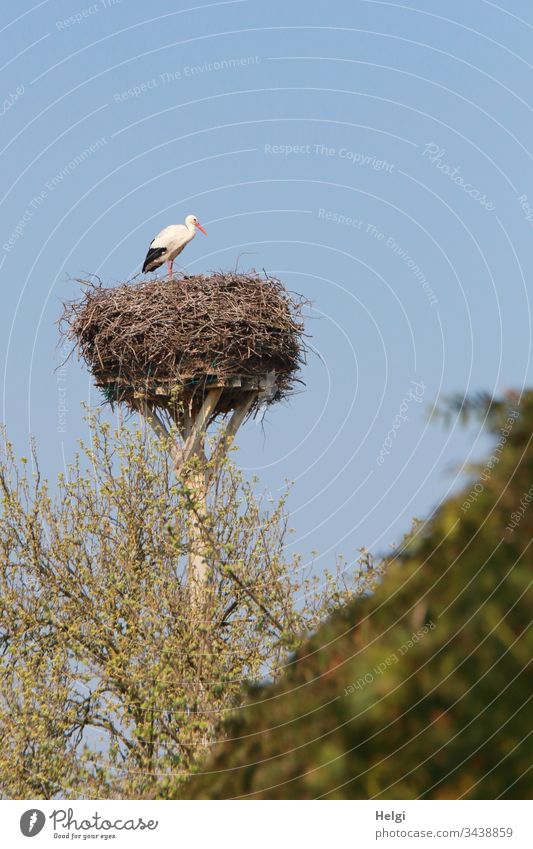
[201, 228]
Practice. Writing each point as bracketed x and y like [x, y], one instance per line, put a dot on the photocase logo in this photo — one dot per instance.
[32, 822]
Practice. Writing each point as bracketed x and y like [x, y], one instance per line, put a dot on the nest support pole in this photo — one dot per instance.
[192, 430]
[194, 446]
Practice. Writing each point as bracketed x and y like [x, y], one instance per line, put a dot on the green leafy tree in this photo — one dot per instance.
[112, 677]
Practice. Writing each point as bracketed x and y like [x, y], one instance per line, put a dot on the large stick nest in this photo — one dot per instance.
[168, 341]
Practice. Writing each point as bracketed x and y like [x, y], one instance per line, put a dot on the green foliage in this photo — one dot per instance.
[112, 679]
[424, 689]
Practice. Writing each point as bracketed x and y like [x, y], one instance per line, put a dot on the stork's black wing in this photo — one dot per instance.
[152, 257]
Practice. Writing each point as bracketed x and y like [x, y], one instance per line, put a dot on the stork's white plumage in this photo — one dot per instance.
[170, 242]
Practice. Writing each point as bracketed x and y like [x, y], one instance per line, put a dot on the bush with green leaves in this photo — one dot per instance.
[424, 689]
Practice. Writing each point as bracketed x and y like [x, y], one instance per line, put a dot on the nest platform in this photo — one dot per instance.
[167, 344]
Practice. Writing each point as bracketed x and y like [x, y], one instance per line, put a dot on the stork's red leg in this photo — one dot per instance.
[169, 266]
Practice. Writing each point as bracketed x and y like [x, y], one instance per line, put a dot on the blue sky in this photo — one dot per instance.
[374, 155]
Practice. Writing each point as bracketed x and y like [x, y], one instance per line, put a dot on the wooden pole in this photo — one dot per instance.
[192, 430]
[198, 565]
[194, 448]
[195, 436]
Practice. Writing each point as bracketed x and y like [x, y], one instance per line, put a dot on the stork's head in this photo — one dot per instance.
[192, 222]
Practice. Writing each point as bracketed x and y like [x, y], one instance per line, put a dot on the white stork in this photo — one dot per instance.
[170, 242]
